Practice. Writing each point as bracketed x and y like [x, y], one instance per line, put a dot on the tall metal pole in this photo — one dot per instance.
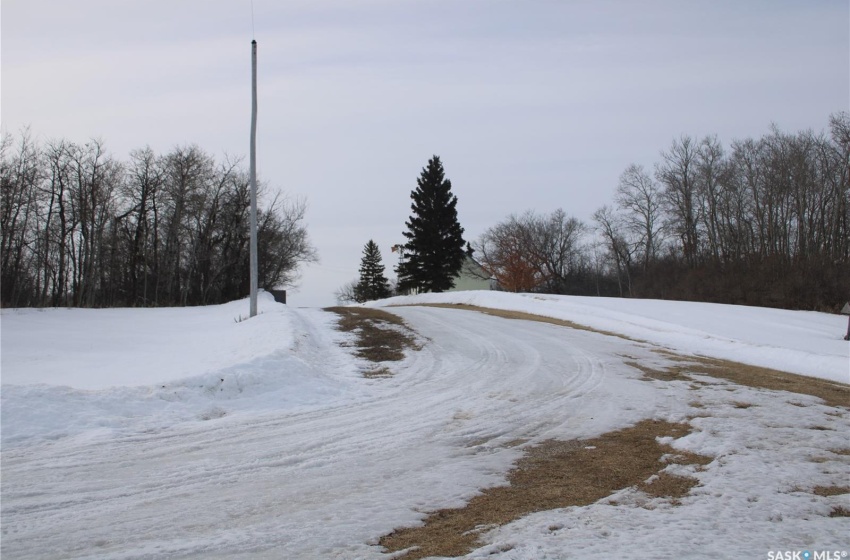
[254, 274]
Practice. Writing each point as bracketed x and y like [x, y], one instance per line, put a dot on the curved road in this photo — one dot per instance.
[326, 483]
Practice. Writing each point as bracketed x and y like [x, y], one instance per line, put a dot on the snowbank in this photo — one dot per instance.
[100, 348]
[69, 371]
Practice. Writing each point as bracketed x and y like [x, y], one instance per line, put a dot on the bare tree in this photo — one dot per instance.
[141, 192]
[534, 252]
[507, 255]
[839, 219]
[20, 173]
[711, 174]
[556, 241]
[284, 242]
[620, 250]
[78, 227]
[345, 294]
[677, 173]
[95, 180]
[638, 197]
[57, 235]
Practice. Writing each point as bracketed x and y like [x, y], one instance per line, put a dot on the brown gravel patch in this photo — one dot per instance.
[831, 490]
[832, 393]
[381, 336]
[556, 474]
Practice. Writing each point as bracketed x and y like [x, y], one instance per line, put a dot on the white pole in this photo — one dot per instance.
[254, 274]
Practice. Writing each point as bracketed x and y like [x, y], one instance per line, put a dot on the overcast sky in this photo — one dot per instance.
[531, 104]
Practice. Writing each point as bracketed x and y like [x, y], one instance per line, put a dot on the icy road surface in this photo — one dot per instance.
[322, 483]
[214, 473]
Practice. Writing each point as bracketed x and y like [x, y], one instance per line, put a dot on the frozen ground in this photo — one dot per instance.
[184, 433]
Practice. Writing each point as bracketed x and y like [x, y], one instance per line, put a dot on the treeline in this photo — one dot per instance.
[82, 228]
[763, 222]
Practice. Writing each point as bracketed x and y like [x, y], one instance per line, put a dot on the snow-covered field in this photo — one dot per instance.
[150, 433]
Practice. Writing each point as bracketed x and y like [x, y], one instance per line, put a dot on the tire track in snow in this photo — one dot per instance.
[545, 368]
[428, 437]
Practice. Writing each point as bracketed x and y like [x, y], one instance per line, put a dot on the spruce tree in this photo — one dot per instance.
[434, 252]
[373, 284]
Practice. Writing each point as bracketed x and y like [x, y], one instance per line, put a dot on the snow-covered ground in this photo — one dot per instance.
[801, 342]
[134, 433]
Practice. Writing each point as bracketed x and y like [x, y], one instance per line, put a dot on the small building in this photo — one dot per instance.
[473, 277]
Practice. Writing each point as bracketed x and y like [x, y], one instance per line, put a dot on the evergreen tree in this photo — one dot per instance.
[373, 284]
[434, 252]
